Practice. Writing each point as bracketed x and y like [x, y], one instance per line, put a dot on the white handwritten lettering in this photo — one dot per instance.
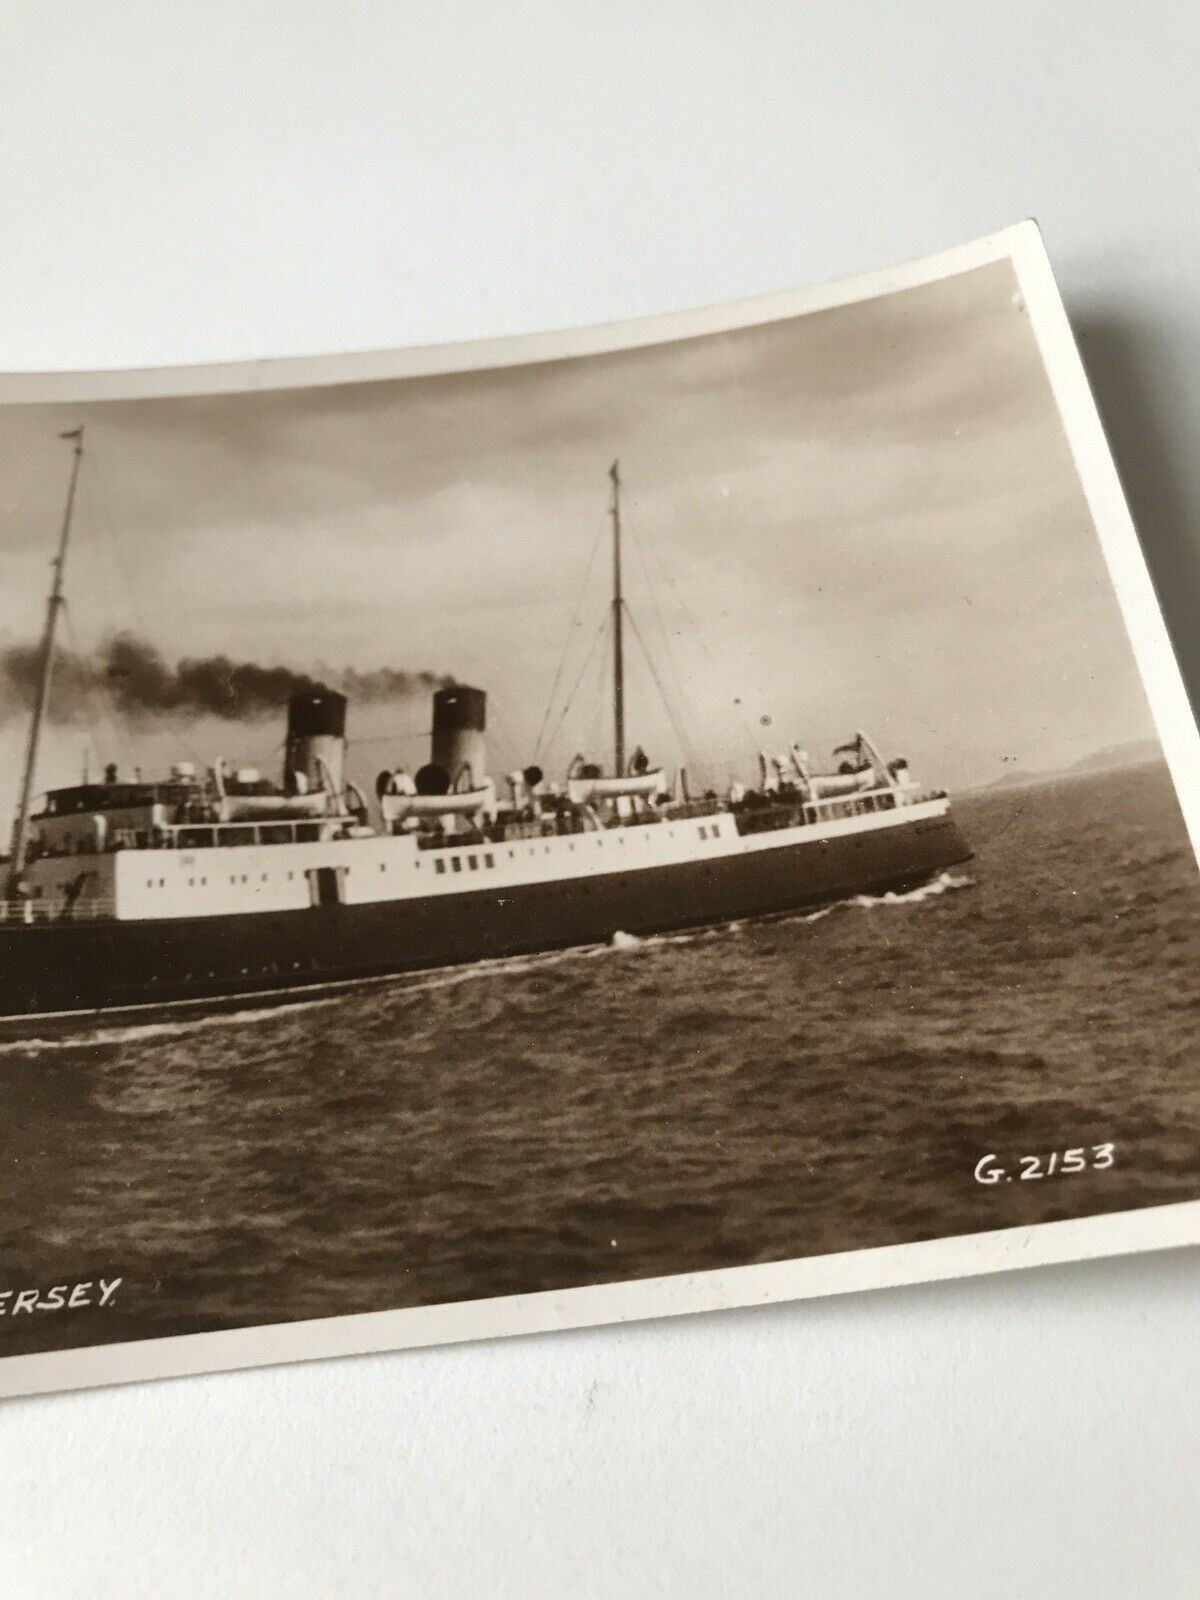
[93, 1293]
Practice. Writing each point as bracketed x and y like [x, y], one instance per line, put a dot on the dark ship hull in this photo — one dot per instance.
[65, 967]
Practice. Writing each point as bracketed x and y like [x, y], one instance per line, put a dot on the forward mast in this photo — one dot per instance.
[54, 604]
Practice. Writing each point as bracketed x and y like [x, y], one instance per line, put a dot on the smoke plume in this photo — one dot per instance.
[131, 675]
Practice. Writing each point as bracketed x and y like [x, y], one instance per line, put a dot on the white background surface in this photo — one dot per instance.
[218, 180]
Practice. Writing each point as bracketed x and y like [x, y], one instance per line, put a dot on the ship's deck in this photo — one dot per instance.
[256, 868]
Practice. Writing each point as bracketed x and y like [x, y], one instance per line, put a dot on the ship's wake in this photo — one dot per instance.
[944, 883]
[169, 1028]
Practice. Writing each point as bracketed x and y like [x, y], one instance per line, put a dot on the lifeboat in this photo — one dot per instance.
[639, 786]
[827, 785]
[464, 803]
[268, 807]
[277, 806]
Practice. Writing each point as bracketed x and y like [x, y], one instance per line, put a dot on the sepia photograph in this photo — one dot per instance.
[634, 806]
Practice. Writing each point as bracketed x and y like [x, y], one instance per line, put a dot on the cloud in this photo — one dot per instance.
[871, 513]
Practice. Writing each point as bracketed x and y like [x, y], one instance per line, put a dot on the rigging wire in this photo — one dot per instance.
[665, 575]
[689, 754]
[587, 661]
[95, 495]
[508, 744]
[863, 677]
[108, 710]
[636, 542]
[572, 625]
[601, 702]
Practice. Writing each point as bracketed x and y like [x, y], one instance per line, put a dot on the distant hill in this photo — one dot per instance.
[1015, 780]
[1120, 755]
[1110, 759]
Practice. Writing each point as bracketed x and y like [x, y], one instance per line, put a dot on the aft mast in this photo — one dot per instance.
[54, 605]
[618, 606]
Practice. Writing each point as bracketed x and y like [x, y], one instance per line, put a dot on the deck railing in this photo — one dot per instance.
[36, 913]
[209, 835]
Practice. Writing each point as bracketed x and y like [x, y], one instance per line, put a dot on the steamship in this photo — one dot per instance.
[213, 888]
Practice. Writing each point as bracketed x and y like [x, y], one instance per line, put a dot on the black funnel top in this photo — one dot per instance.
[314, 712]
[459, 707]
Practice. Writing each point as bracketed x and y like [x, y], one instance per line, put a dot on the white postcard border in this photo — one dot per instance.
[1149, 1228]
[595, 1305]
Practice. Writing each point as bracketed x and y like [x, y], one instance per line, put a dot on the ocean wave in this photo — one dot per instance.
[502, 966]
[401, 984]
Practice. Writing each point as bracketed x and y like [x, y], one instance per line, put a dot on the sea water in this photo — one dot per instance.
[744, 1094]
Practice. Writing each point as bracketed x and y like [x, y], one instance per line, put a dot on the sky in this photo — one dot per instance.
[863, 517]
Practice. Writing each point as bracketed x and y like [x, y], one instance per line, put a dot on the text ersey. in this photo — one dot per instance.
[62, 1297]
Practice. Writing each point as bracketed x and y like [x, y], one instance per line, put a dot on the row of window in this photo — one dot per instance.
[234, 878]
[829, 809]
[472, 862]
[458, 863]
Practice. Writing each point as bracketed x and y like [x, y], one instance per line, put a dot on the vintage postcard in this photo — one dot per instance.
[583, 827]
